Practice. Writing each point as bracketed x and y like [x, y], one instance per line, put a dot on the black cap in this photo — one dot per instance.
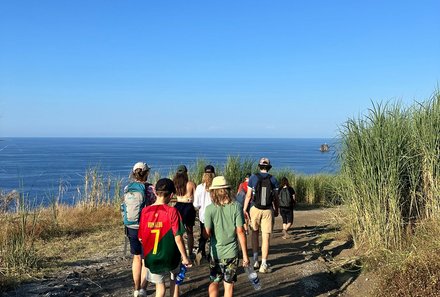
[165, 185]
[209, 169]
[182, 169]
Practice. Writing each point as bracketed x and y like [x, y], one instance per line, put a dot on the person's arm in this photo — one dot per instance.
[207, 231]
[243, 244]
[246, 203]
[181, 246]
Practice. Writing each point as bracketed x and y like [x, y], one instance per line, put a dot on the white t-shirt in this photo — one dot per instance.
[202, 199]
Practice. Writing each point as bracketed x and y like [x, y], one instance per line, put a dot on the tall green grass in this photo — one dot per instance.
[390, 171]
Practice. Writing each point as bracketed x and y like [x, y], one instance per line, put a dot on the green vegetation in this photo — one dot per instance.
[27, 232]
[390, 182]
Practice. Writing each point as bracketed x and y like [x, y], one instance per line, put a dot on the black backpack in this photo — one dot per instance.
[263, 192]
[285, 198]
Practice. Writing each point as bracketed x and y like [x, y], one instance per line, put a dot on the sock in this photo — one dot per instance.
[263, 261]
[255, 257]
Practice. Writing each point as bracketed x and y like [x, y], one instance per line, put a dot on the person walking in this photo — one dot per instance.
[137, 194]
[224, 225]
[161, 231]
[185, 197]
[263, 187]
[202, 199]
[287, 203]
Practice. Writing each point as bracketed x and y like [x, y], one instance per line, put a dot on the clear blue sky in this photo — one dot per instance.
[210, 68]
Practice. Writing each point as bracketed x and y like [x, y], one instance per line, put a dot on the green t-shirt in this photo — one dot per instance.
[222, 220]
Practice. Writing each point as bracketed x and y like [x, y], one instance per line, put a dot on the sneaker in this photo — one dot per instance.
[142, 293]
[199, 258]
[265, 268]
[136, 293]
[256, 265]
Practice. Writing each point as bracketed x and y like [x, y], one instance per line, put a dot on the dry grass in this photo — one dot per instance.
[32, 243]
[414, 271]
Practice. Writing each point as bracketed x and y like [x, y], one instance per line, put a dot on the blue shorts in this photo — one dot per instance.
[135, 244]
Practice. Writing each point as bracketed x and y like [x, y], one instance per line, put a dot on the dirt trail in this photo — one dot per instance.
[302, 266]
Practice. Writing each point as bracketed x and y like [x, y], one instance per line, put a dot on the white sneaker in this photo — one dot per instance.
[256, 265]
[265, 268]
[136, 293]
[142, 293]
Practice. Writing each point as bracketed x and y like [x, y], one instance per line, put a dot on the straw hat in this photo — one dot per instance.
[219, 182]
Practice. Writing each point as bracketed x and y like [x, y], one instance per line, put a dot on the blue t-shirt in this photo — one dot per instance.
[253, 180]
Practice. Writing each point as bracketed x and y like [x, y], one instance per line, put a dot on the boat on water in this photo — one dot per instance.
[324, 148]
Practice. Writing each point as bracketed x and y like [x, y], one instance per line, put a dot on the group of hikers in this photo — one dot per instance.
[157, 216]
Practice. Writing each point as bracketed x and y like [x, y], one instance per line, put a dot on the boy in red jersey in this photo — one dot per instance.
[160, 231]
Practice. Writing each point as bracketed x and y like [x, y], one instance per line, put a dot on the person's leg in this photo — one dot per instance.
[160, 290]
[229, 289]
[189, 230]
[174, 289]
[255, 243]
[202, 241]
[144, 282]
[136, 269]
[266, 229]
[265, 241]
[213, 289]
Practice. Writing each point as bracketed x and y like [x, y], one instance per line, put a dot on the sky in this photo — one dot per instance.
[279, 68]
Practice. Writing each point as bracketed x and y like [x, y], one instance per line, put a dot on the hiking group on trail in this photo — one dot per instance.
[156, 218]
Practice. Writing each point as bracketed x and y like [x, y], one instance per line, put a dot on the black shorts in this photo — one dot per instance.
[187, 212]
[135, 244]
[287, 215]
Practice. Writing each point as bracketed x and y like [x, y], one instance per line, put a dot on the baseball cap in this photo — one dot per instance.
[165, 185]
[209, 169]
[264, 162]
[141, 165]
[182, 169]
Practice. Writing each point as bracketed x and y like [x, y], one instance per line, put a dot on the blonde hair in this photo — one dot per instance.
[221, 196]
[207, 179]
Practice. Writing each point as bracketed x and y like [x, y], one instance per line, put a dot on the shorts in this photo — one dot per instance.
[287, 215]
[187, 212]
[135, 244]
[224, 269]
[261, 219]
[160, 278]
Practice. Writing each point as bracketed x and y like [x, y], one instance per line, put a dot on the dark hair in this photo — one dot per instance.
[284, 182]
[180, 180]
[140, 175]
[265, 167]
[165, 194]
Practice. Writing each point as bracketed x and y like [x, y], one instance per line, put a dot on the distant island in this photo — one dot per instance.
[324, 148]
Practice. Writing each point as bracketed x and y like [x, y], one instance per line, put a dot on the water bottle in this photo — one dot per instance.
[181, 275]
[253, 276]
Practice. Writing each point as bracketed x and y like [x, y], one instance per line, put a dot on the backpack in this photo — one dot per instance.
[241, 196]
[285, 198]
[263, 192]
[133, 202]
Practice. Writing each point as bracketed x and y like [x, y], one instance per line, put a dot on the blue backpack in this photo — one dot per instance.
[133, 202]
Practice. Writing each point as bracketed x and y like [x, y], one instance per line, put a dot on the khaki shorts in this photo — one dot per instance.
[160, 278]
[261, 219]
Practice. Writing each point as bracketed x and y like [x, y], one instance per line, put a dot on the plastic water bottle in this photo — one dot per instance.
[253, 276]
[181, 275]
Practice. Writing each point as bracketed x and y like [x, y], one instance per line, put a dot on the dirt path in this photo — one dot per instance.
[302, 266]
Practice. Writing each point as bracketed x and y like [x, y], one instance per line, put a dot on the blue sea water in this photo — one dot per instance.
[35, 166]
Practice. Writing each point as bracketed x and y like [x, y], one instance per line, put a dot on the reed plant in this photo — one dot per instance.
[390, 171]
[17, 239]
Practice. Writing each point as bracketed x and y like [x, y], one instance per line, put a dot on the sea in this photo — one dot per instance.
[36, 167]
